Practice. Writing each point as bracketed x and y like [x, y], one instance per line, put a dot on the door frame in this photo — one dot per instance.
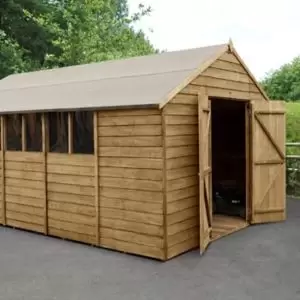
[248, 150]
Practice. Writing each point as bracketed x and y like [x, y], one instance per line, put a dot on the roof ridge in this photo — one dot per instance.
[92, 80]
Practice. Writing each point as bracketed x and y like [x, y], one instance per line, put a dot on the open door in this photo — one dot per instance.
[205, 174]
[268, 162]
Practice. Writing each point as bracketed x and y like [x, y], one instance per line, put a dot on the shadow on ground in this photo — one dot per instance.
[261, 262]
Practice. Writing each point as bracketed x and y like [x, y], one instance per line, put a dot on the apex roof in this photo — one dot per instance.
[140, 81]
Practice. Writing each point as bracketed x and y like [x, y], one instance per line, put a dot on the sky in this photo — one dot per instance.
[266, 33]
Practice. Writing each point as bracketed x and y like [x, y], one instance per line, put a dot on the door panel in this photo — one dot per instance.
[205, 172]
[268, 162]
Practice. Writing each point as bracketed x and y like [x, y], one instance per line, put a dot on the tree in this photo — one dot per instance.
[97, 30]
[284, 83]
[22, 29]
[39, 34]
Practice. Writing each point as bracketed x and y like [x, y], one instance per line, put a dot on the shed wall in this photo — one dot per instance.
[226, 77]
[131, 181]
[25, 190]
[71, 197]
[182, 187]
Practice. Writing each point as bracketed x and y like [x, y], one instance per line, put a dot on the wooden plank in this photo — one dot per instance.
[34, 202]
[183, 215]
[129, 120]
[130, 130]
[129, 112]
[154, 208]
[181, 120]
[72, 208]
[34, 176]
[70, 170]
[22, 183]
[225, 65]
[133, 216]
[131, 184]
[96, 176]
[223, 93]
[26, 192]
[132, 248]
[180, 162]
[125, 162]
[182, 226]
[30, 210]
[23, 136]
[172, 130]
[183, 193]
[183, 236]
[73, 236]
[23, 217]
[26, 167]
[71, 189]
[182, 183]
[71, 179]
[180, 109]
[63, 159]
[181, 140]
[227, 75]
[25, 225]
[142, 196]
[182, 204]
[223, 84]
[143, 174]
[71, 227]
[184, 99]
[3, 157]
[17, 156]
[70, 133]
[136, 141]
[85, 200]
[71, 217]
[140, 152]
[173, 152]
[126, 236]
[137, 227]
[230, 58]
[182, 172]
[183, 247]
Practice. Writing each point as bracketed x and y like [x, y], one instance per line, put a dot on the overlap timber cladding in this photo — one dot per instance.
[71, 197]
[131, 181]
[25, 190]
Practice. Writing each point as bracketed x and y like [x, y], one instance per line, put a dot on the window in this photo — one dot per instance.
[83, 132]
[14, 132]
[58, 132]
[33, 129]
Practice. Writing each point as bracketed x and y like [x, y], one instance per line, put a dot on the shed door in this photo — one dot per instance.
[268, 161]
[205, 175]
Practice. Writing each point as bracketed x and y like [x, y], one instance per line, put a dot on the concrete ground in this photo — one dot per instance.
[261, 262]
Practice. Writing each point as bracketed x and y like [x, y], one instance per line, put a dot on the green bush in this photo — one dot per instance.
[293, 136]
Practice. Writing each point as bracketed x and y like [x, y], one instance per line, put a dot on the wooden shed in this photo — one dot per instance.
[153, 155]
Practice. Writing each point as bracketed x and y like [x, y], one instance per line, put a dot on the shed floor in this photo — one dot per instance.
[223, 225]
